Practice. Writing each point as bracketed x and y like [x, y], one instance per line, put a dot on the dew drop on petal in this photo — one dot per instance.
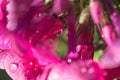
[11, 56]
[78, 48]
[102, 36]
[69, 60]
[83, 70]
[31, 63]
[28, 71]
[89, 62]
[35, 69]
[13, 67]
[39, 15]
[59, 32]
[91, 70]
[4, 55]
[6, 42]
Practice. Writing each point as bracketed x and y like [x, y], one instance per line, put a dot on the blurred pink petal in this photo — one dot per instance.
[88, 70]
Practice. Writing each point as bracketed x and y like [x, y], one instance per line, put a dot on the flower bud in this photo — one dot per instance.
[96, 11]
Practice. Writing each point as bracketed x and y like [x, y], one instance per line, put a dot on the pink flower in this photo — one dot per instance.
[28, 33]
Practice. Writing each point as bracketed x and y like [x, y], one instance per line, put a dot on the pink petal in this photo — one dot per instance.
[76, 71]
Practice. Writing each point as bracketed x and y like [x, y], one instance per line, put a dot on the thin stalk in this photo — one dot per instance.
[71, 37]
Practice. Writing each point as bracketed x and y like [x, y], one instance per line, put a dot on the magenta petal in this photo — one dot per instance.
[12, 67]
[21, 69]
[1, 14]
[16, 9]
[24, 61]
[36, 2]
[76, 71]
[60, 6]
[28, 52]
[6, 39]
[47, 26]
[108, 34]
[45, 57]
[112, 73]
[111, 55]
[2, 57]
[96, 11]
[114, 15]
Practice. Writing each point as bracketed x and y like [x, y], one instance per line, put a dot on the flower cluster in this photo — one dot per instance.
[28, 39]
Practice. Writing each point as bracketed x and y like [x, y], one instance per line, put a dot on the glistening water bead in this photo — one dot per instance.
[13, 67]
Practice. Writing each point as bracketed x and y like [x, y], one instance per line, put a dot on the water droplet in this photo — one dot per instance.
[13, 67]
[89, 62]
[31, 63]
[37, 31]
[78, 48]
[6, 42]
[39, 15]
[83, 70]
[4, 55]
[91, 70]
[59, 32]
[28, 71]
[11, 56]
[60, 15]
[35, 69]
[102, 36]
[69, 60]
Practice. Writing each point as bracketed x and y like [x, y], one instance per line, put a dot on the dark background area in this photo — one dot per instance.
[4, 75]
